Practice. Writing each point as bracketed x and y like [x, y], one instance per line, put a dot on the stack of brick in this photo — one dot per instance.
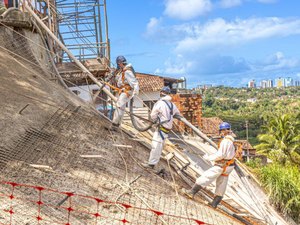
[190, 106]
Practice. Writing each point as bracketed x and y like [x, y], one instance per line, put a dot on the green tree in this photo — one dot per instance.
[281, 138]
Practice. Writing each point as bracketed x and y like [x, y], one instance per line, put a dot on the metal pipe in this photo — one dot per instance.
[106, 30]
[71, 5]
[94, 45]
[99, 26]
[49, 15]
[79, 64]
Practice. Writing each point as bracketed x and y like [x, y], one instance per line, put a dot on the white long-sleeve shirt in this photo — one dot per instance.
[225, 151]
[129, 79]
[162, 111]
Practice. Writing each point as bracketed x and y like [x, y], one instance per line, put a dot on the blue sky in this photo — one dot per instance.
[219, 42]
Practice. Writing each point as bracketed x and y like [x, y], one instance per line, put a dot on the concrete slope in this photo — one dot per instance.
[59, 165]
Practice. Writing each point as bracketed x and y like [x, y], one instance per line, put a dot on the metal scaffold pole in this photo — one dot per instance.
[78, 63]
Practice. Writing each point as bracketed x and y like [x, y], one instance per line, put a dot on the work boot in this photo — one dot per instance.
[113, 127]
[191, 193]
[147, 165]
[217, 199]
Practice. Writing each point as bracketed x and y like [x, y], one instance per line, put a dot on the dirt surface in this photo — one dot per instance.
[46, 134]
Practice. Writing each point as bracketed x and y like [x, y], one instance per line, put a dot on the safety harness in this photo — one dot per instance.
[161, 128]
[224, 163]
[125, 87]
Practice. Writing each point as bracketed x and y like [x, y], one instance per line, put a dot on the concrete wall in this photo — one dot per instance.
[145, 96]
[84, 93]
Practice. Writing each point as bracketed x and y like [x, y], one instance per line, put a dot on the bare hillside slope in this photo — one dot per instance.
[60, 166]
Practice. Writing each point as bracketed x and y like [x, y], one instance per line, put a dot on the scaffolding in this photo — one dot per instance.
[82, 26]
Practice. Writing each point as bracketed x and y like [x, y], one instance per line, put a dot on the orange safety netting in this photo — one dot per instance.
[11, 199]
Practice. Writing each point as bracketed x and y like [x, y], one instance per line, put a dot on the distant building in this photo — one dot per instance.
[280, 82]
[289, 82]
[243, 147]
[297, 83]
[251, 84]
[183, 84]
[264, 84]
[204, 86]
[270, 83]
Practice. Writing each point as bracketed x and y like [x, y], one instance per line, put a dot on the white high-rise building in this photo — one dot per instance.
[289, 82]
[251, 84]
[270, 83]
[182, 85]
[264, 84]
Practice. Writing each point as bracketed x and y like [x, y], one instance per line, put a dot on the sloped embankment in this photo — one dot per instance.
[51, 139]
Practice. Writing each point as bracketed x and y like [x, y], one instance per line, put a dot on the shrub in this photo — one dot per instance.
[254, 163]
[283, 185]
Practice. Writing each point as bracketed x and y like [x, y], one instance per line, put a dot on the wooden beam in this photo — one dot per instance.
[122, 146]
[91, 156]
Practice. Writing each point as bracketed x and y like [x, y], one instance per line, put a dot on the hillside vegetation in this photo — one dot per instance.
[273, 118]
[249, 106]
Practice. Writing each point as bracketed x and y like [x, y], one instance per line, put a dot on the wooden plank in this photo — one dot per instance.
[91, 156]
[40, 166]
[122, 146]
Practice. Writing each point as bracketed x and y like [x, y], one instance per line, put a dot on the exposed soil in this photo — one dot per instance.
[44, 137]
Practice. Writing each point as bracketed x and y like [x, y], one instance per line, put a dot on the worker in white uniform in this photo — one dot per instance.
[127, 86]
[163, 112]
[223, 166]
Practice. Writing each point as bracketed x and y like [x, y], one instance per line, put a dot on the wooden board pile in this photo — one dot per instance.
[190, 106]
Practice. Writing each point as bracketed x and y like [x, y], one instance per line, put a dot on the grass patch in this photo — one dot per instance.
[283, 186]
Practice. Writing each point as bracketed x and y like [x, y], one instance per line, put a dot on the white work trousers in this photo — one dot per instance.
[123, 99]
[158, 142]
[215, 173]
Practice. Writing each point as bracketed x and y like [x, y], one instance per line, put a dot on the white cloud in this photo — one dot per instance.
[267, 1]
[230, 3]
[154, 22]
[177, 66]
[279, 61]
[157, 32]
[219, 32]
[187, 9]
[190, 9]
[158, 71]
[153, 25]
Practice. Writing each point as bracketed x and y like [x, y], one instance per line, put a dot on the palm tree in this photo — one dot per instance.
[282, 138]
